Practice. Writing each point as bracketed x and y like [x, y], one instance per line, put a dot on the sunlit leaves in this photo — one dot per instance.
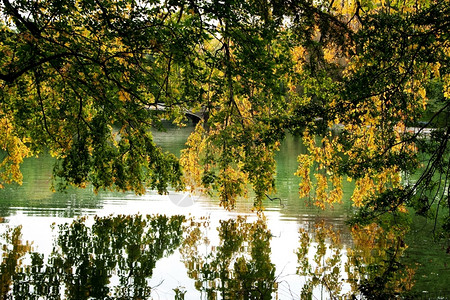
[372, 96]
[81, 69]
[323, 162]
[13, 151]
[89, 80]
[190, 159]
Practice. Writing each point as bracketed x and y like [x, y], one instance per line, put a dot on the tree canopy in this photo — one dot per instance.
[82, 79]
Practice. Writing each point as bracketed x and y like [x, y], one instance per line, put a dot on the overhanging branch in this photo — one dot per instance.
[11, 77]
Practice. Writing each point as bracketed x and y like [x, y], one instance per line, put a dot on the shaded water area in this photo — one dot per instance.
[78, 245]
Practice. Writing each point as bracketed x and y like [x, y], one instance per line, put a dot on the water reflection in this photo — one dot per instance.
[375, 264]
[112, 259]
[238, 267]
[115, 257]
[371, 268]
[35, 197]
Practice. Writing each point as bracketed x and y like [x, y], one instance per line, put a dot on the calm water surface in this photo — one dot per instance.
[36, 208]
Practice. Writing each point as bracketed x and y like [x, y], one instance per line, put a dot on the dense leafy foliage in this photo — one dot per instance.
[86, 80]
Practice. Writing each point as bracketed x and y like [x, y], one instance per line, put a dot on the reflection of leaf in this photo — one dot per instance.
[376, 260]
[13, 251]
[85, 260]
[239, 267]
[324, 269]
[372, 267]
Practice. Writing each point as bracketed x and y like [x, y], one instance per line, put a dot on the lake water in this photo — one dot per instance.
[176, 271]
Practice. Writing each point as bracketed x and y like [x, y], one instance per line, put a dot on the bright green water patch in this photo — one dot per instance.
[430, 257]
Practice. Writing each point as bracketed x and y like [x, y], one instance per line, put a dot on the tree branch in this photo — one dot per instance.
[30, 26]
[11, 77]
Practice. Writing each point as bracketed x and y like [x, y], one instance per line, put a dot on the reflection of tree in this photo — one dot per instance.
[323, 270]
[376, 260]
[373, 266]
[239, 267]
[114, 258]
[13, 251]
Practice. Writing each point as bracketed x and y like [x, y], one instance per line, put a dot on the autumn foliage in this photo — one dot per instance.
[84, 80]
